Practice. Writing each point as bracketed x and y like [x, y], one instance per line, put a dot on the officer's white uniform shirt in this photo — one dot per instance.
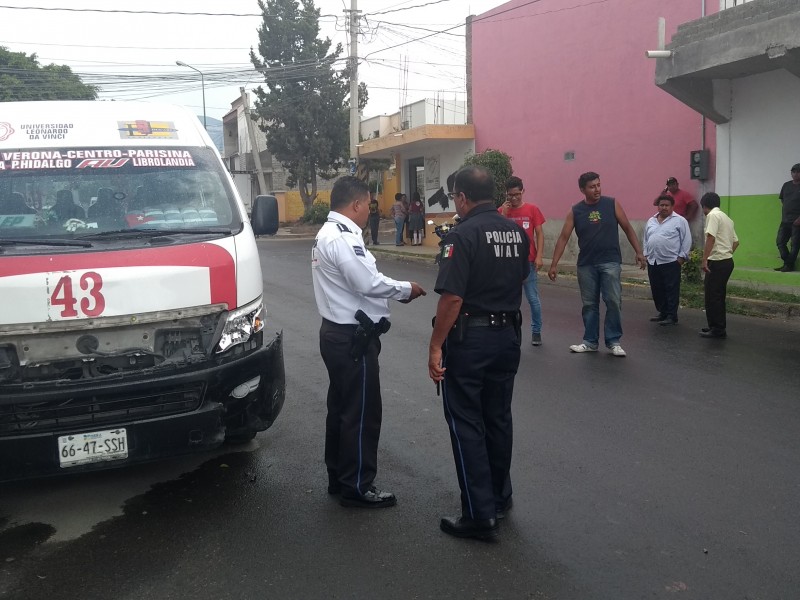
[345, 277]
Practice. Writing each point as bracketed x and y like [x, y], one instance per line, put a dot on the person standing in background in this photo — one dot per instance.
[374, 218]
[416, 219]
[528, 216]
[596, 220]
[789, 228]
[720, 244]
[667, 243]
[685, 205]
[399, 215]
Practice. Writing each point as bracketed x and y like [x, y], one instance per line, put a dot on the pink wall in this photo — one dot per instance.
[547, 80]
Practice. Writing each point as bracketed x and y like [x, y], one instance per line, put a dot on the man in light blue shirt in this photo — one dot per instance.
[667, 242]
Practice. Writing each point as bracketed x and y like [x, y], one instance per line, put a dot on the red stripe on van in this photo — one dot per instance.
[218, 261]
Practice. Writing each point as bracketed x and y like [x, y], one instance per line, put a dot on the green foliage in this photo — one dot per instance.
[316, 213]
[303, 106]
[690, 271]
[498, 163]
[23, 78]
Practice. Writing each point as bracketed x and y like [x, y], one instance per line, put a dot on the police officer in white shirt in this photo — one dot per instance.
[346, 281]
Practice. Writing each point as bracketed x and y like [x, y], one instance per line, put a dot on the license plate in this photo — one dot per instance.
[95, 446]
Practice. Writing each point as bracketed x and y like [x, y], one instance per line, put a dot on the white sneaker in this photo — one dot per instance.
[617, 350]
[582, 348]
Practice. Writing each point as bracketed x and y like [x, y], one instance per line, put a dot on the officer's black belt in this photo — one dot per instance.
[342, 326]
[499, 319]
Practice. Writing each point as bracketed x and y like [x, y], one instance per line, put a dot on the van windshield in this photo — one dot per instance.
[65, 193]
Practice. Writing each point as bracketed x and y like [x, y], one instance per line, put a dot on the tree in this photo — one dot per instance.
[498, 163]
[23, 78]
[304, 108]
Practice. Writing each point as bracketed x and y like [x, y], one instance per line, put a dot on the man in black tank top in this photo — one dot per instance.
[596, 220]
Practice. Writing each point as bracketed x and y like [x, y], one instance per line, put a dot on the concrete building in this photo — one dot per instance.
[424, 142]
[238, 157]
[567, 88]
[740, 69]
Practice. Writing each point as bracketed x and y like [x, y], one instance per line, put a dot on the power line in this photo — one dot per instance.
[144, 12]
[159, 49]
[492, 16]
[386, 12]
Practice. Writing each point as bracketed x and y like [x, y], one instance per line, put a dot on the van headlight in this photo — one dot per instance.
[242, 324]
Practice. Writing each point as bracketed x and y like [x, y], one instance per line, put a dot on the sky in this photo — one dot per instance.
[130, 51]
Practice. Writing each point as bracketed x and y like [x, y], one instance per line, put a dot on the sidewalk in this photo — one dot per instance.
[634, 280]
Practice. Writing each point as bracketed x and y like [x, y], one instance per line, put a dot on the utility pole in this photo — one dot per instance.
[262, 185]
[355, 124]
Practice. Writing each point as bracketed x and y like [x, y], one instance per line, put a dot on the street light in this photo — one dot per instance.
[202, 84]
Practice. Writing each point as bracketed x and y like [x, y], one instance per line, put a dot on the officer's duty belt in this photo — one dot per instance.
[499, 319]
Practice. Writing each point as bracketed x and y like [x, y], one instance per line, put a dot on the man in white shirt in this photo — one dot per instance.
[667, 243]
[346, 281]
[720, 244]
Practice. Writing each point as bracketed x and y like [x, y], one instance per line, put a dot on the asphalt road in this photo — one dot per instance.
[672, 473]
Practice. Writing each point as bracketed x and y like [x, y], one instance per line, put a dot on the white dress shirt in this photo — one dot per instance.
[668, 240]
[345, 277]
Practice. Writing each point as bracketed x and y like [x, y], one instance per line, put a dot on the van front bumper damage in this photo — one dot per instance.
[164, 412]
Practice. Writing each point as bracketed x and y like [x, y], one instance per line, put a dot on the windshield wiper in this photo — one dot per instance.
[154, 232]
[44, 242]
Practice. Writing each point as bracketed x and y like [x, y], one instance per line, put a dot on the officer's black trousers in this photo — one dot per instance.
[353, 426]
[478, 385]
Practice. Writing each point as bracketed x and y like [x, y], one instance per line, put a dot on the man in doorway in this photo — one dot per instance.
[528, 216]
[789, 228]
[596, 220]
[667, 243]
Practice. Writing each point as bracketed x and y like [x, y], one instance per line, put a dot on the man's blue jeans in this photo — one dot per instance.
[594, 281]
[531, 290]
[399, 222]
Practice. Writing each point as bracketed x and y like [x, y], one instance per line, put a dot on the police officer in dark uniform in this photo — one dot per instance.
[475, 349]
[352, 298]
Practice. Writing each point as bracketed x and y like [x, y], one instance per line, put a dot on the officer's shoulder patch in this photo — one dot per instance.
[359, 250]
[447, 251]
[343, 228]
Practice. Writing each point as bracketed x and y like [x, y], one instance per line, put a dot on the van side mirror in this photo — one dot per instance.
[264, 218]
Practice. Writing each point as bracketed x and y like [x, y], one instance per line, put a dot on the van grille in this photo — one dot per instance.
[96, 410]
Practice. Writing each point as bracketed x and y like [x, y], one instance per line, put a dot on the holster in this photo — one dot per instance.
[366, 331]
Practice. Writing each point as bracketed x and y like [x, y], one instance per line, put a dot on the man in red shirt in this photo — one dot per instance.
[685, 205]
[530, 218]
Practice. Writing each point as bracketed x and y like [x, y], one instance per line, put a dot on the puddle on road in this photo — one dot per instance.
[152, 530]
[73, 504]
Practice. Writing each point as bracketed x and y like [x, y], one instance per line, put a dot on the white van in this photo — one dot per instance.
[132, 321]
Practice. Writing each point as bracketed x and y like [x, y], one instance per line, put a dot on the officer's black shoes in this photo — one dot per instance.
[373, 498]
[658, 318]
[502, 509]
[464, 527]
